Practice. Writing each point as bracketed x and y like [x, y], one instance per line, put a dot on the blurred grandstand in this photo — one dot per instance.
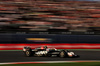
[49, 15]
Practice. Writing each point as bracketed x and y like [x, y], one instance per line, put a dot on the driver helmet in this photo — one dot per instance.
[45, 47]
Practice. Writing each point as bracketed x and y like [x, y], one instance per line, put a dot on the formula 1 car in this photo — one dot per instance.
[48, 52]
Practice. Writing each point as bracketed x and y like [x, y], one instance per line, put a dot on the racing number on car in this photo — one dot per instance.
[41, 52]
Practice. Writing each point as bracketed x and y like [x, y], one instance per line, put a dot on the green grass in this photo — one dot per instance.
[60, 64]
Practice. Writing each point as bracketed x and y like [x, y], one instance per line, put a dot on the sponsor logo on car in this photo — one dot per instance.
[41, 52]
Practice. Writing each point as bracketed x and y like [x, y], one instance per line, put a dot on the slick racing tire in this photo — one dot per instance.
[39, 55]
[62, 54]
[28, 53]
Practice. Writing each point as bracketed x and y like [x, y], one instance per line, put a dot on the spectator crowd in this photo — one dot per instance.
[42, 15]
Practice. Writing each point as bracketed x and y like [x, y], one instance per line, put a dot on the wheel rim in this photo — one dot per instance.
[27, 53]
[62, 54]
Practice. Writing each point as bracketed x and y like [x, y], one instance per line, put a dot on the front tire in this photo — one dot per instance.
[62, 54]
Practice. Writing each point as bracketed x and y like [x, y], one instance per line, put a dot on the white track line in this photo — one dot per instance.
[37, 62]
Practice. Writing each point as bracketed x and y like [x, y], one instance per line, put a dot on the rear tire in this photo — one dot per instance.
[28, 53]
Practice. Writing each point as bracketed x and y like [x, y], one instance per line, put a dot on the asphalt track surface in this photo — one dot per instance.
[18, 56]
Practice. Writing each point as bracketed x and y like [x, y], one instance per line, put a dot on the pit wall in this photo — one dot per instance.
[51, 38]
[18, 41]
[57, 46]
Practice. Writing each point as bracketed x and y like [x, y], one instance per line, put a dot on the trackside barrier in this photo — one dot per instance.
[58, 46]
